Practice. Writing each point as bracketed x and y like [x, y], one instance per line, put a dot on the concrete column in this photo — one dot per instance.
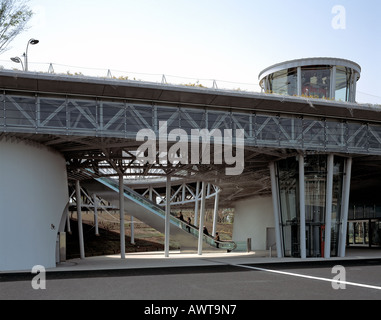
[215, 214]
[275, 198]
[202, 218]
[345, 207]
[303, 253]
[167, 216]
[79, 217]
[328, 207]
[121, 215]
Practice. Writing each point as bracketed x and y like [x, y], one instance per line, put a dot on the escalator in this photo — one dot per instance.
[153, 215]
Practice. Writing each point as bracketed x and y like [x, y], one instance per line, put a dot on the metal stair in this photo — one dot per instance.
[153, 215]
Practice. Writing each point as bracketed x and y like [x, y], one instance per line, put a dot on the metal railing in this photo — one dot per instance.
[156, 209]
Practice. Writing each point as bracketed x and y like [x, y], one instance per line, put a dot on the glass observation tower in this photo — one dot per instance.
[311, 190]
[321, 78]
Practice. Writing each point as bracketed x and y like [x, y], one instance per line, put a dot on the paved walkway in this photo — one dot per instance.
[150, 260]
[180, 259]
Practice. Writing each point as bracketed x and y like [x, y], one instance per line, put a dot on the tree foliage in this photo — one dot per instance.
[14, 17]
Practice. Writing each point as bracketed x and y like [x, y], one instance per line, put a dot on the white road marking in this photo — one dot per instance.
[311, 277]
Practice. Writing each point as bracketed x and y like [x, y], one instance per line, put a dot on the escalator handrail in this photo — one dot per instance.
[155, 208]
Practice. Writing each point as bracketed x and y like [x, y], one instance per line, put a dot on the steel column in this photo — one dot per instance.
[121, 214]
[132, 230]
[95, 200]
[196, 204]
[79, 218]
[202, 218]
[215, 214]
[328, 207]
[167, 216]
[345, 207]
[275, 198]
[303, 253]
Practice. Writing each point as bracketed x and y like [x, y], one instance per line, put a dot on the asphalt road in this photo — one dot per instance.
[222, 282]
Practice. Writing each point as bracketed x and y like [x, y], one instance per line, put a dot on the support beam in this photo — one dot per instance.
[345, 207]
[167, 216]
[121, 214]
[328, 207]
[215, 213]
[303, 252]
[79, 218]
[202, 218]
[275, 198]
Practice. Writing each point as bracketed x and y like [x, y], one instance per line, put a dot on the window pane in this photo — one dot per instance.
[283, 82]
[343, 76]
[316, 81]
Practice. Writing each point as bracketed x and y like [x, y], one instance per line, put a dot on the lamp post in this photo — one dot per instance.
[32, 42]
[18, 60]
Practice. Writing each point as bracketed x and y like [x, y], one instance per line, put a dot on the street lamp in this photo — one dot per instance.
[18, 60]
[32, 42]
[25, 55]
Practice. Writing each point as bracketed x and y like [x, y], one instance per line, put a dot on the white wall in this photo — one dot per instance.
[33, 195]
[251, 219]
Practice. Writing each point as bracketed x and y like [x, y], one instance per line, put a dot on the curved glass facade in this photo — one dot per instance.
[319, 78]
[315, 184]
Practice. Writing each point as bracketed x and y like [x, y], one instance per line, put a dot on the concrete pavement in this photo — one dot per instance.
[149, 260]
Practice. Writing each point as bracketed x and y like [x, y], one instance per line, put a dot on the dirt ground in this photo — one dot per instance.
[108, 241]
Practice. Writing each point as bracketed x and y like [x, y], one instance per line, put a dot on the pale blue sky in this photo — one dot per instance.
[209, 39]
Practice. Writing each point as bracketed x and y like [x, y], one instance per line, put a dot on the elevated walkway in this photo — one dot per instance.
[153, 215]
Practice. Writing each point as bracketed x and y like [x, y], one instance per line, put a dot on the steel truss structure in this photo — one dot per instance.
[78, 117]
[98, 130]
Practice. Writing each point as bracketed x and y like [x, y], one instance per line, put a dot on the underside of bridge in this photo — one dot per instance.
[92, 157]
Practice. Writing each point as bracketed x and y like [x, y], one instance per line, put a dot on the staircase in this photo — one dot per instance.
[153, 215]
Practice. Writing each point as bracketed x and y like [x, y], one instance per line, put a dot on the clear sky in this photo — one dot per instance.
[226, 40]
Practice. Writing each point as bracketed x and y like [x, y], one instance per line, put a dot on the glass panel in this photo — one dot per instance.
[351, 233]
[359, 233]
[376, 233]
[316, 81]
[343, 77]
[20, 111]
[52, 113]
[338, 169]
[315, 194]
[315, 170]
[289, 200]
[283, 82]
